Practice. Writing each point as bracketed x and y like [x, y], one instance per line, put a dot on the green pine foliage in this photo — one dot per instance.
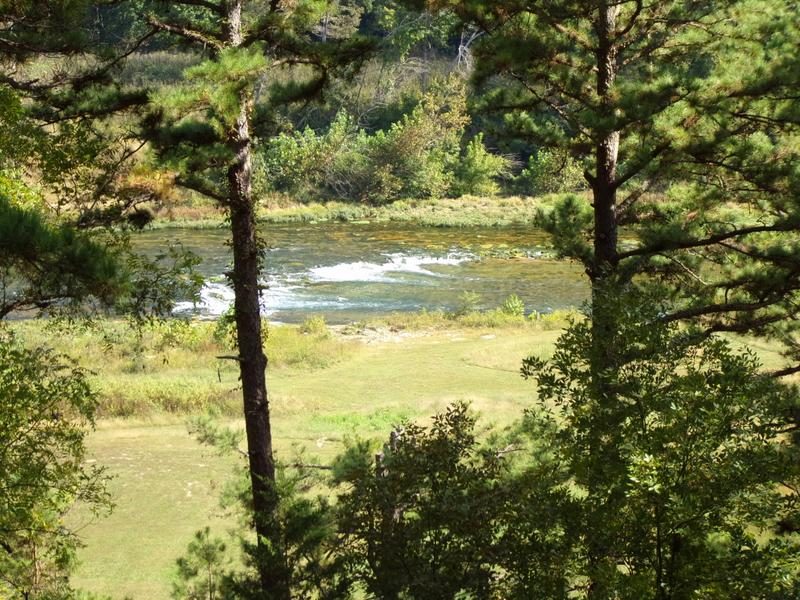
[201, 571]
[685, 136]
[42, 264]
[305, 553]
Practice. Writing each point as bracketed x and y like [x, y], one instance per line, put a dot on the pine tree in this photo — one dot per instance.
[685, 118]
[64, 165]
[206, 131]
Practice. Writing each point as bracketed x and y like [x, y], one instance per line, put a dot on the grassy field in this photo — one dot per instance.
[325, 387]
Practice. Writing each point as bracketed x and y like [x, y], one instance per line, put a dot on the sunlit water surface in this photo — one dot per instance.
[348, 272]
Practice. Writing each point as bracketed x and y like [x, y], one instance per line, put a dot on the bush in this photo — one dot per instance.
[316, 326]
[479, 170]
[416, 522]
[418, 156]
[551, 172]
[514, 306]
[436, 514]
[468, 302]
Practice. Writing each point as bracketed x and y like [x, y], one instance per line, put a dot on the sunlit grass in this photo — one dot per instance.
[325, 386]
[467, 211]
[166, 486]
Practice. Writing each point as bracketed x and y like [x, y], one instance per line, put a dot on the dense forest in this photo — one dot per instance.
[637, 436]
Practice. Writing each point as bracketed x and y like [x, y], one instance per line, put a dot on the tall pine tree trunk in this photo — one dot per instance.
[604, 499]
[252, 360]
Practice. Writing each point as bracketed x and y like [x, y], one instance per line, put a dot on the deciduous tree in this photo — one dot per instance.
[46, 408]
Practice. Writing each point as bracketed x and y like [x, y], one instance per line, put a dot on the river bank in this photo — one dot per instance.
[466, 211]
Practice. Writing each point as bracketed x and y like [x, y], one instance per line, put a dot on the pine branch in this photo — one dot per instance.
[217, 9]
[723, 309]
[110, 174]
[787, 262]
[642, 165]
[709, 241]
[632, 21]
[202, 187]
[34, 88]
[574, 123]
[785, 372]
[187, 33]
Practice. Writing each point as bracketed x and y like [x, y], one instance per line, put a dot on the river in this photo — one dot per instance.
[352, 271]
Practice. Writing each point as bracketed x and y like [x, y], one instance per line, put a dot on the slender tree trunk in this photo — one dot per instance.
[604, 185]
[252, 360]
[603, 499]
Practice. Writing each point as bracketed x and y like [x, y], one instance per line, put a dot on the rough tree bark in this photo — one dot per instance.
[252, 360]
[602, 276]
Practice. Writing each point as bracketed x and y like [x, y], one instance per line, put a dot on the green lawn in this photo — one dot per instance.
[166, 485]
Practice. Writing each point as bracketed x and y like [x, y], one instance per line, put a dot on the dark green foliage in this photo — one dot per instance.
[686, 480]
[305, 554]
[46, 409]
[683, 478]
[438, 515]
[42, 264]
[43, 26]
[58, 268]
[19, 138]
[419, 520]
[569, 222]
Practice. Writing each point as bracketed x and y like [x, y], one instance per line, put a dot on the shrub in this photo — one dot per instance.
[436, 514]
[315, 325]
[478, 171]
[468, 302]
[514, 306]
[415, 157]
[551, 172]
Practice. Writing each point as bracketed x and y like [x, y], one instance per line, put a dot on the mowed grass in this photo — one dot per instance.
[324, 389]
[166, 486]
